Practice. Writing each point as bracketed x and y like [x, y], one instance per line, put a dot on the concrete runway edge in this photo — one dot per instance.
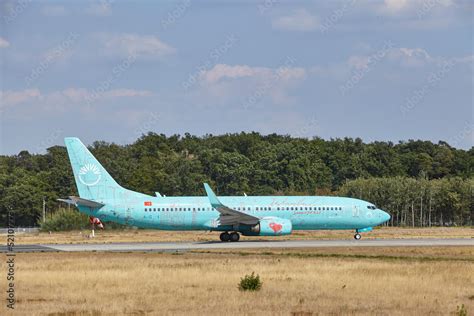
[247, 244]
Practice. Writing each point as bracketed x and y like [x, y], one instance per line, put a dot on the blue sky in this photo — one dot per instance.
[113, 70]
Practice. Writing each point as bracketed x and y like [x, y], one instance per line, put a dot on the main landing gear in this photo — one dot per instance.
[225, 236]
[357, 236]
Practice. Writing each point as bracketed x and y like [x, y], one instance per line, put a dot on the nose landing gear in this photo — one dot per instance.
[357, 235]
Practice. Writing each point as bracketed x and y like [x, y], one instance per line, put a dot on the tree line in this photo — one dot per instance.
[418, 202]
[419, 182]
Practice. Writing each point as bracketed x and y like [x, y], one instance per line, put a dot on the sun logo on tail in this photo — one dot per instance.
[89, 174]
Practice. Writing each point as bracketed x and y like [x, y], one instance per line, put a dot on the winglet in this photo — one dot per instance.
[212, 196]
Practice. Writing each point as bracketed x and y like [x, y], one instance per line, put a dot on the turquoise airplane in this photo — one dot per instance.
[102, 198]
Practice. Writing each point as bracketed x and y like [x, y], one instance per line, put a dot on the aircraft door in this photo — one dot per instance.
[355, 211]
[129, 217]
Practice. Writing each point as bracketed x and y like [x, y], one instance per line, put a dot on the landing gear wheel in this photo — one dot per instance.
[225, 237]
[234, 237]
[357, 236]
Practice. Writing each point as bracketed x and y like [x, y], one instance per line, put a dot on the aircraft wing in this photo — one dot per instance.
[76, 201]
[228, 215]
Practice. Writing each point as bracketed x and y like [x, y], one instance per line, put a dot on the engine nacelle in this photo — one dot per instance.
[270, 226]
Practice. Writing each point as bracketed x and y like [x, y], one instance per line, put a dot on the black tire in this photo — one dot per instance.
[357, 236]
[234, 237]
[225, 237]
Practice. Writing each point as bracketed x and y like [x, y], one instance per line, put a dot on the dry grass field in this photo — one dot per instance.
[134, 235]
[362, 281]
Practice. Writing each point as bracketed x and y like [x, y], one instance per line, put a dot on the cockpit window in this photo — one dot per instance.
[371, 207]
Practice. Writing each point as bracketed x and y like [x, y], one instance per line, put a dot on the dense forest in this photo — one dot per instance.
[418, 182]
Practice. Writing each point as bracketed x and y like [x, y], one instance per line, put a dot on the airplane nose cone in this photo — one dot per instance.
[385, 216]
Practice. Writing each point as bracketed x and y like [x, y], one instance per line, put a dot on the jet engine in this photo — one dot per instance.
[270, 226]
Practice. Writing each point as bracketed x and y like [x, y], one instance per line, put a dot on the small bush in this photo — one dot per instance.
[250, 283]
[461, 310]
[66, 220]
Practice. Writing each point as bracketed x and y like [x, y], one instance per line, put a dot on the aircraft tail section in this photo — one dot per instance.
[92, 180]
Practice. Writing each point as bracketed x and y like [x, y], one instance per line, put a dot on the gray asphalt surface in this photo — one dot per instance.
[183, 246]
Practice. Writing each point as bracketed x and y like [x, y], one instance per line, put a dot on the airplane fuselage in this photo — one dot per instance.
[196, 213]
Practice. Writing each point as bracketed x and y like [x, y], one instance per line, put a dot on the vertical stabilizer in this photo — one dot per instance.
[92, 180]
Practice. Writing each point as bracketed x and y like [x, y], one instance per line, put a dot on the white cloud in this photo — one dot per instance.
[9, 98]
[467, 59]
[137, 45]
[222, 71]
[408, 7]
[4, 43]
[100, 9]
[397, 58]
[358, 62]
[56, 10]
[71, 95]
[231, 83]
[118, 93]
[298, 20]
[411, 57]
[408, 57]
[395, 5]
[420, 57]
[397, 15]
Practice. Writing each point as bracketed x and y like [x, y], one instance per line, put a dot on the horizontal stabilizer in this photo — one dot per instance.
[77, 201]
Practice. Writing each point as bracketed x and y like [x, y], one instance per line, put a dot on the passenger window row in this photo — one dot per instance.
[311, 208]
[260, 208]
[176, 209]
